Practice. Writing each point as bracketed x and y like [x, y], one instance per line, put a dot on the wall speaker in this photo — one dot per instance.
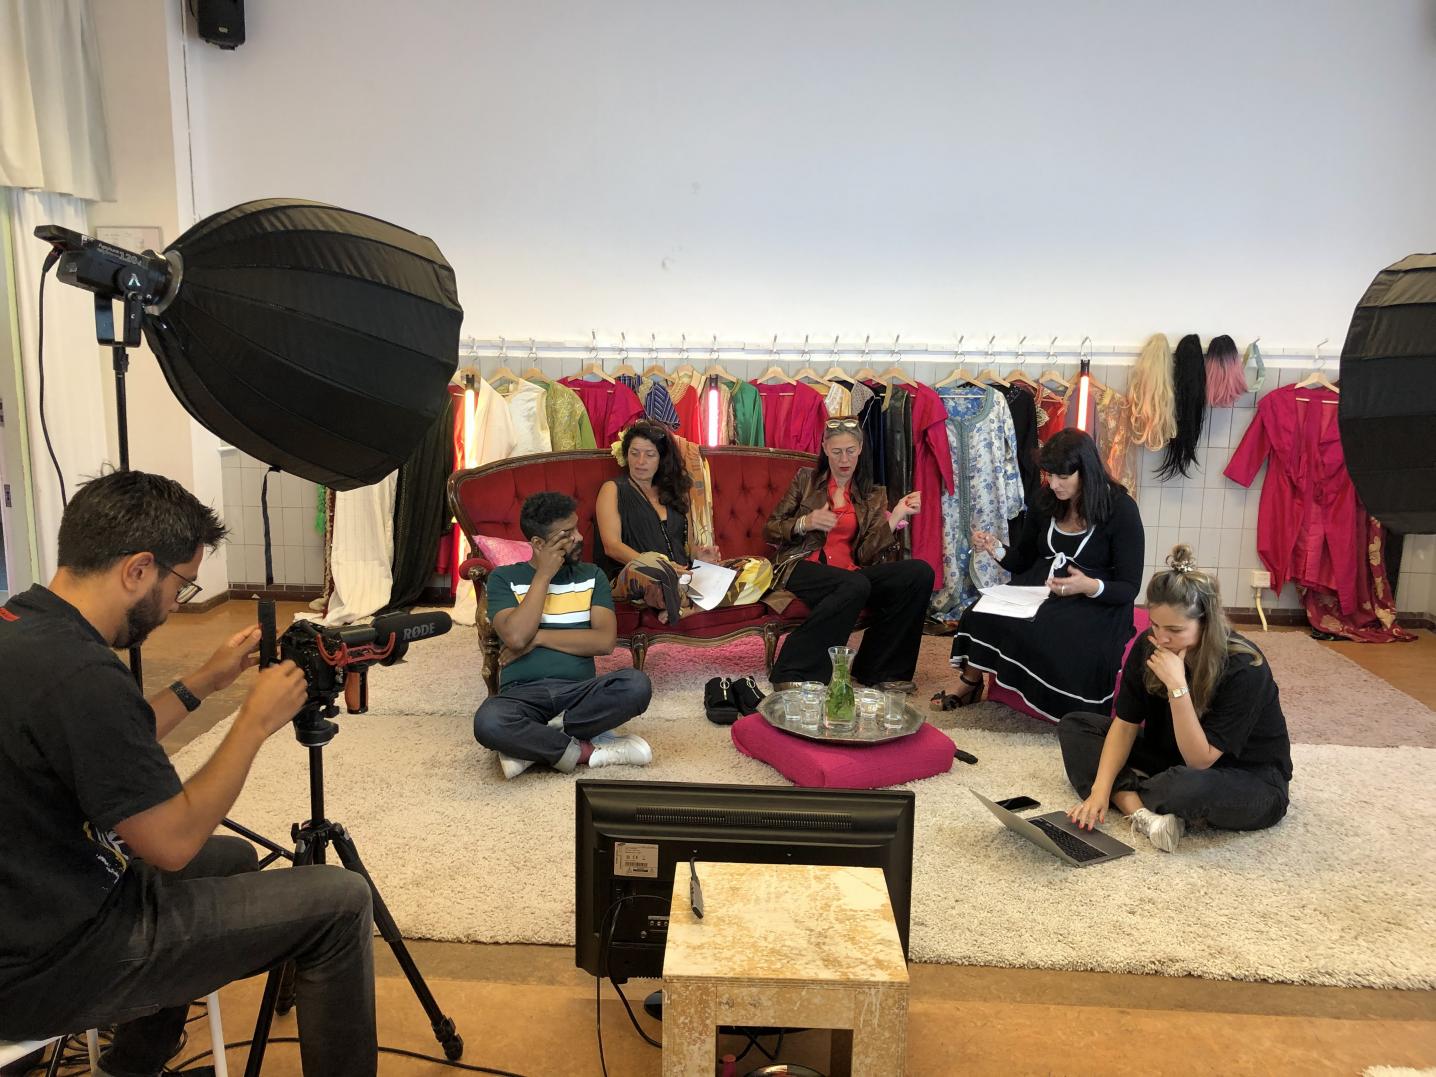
[1388, 396]
[221, 22]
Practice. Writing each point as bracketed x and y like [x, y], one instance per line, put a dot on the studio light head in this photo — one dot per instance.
[106, 270]
[314, 338]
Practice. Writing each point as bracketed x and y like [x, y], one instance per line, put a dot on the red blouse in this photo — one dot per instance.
[838, 548]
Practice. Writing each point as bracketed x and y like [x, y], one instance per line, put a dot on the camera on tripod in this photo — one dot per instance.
[335, 660]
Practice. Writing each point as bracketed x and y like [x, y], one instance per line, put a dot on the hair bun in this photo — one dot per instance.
[1182, 560]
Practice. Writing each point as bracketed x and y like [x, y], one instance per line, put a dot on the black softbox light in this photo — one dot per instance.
[314, 338]
[1388, 396]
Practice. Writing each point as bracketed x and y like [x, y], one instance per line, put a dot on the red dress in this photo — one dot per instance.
[611, 407]
[1312, 528]
[931, 477]
[793, 417]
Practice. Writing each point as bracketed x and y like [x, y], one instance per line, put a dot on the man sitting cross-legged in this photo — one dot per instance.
[553, 613]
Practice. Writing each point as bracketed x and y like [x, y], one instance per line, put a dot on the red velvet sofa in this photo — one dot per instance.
[747, 484]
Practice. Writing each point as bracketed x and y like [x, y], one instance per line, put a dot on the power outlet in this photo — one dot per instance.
[1260, 578]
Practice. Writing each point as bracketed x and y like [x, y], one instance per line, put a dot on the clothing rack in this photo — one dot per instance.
[926, 362]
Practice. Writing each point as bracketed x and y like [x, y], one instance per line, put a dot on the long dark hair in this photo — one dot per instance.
[671, 481]
[1189, 384]
[862, 480]
[1073, 450]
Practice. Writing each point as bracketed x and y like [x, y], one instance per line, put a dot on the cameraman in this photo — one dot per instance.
[119, 904]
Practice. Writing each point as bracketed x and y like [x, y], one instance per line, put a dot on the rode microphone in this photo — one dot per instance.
[403, 628]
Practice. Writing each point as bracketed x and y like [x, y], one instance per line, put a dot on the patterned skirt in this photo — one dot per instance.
[652, 580]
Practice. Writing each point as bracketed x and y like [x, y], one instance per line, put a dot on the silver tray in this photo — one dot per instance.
[781, 709]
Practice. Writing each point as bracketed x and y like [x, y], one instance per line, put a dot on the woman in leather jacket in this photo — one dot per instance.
[836, 552]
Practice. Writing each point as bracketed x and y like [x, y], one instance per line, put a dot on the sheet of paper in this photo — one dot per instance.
[1009, 600]
[709, 584]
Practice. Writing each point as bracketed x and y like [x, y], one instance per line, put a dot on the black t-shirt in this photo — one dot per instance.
[1243, 719]
[78, 754]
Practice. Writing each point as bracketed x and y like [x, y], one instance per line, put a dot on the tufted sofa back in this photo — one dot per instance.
[747, 484]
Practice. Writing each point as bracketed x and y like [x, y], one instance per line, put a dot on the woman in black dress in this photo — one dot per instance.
[1199, 733]
[1083, 541]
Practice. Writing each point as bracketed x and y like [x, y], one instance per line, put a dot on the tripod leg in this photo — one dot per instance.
[443, 1025]
[308, 849]
[262, 1023]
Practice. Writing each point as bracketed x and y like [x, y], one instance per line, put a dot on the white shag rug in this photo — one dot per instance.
[1340, 893]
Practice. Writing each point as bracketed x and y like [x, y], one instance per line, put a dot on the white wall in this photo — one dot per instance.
[923, 168]
[143, 74]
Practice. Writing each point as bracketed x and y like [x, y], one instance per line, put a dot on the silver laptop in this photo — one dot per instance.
[1058, 835]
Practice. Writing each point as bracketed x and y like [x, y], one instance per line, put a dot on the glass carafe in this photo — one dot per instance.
[839, 716]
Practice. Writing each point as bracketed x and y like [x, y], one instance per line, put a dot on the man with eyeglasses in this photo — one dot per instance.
[119, 903]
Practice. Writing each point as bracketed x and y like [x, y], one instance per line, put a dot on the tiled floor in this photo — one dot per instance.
[526, 1009]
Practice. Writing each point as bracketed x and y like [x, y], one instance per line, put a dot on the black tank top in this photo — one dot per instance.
[644, 531]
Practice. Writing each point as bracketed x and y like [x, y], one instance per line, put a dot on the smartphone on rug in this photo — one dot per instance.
[1018, 803]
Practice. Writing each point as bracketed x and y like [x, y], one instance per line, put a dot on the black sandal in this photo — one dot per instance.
[947, 701]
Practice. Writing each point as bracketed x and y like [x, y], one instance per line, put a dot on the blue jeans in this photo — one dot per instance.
[216, 921]
[515, 722]
[1231, 798]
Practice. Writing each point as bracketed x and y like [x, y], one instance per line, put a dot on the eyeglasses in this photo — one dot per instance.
[188, 591]
[843, 422]
[185, 593]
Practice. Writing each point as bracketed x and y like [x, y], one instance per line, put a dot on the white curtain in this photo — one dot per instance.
[52, 116]
[362, 557]
[75, 367]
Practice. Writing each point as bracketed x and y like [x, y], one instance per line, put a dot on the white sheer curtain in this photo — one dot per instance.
[55, 154]
[52, 116]
[75, 368]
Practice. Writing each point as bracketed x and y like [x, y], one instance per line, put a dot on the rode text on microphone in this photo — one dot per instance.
[336, 660]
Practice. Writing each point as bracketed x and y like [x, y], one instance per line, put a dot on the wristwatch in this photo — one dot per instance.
[188, 698]
[1178, 693]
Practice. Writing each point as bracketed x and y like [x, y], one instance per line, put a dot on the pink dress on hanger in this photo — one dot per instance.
[611, 407]
[931, 477]
[793, 416]
[1312, 528]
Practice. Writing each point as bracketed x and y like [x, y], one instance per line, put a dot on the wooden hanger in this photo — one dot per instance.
[989, 376]
[1051, 375]
[774, 372]
[596, 368]
[533, 373]
[503, 374]
[1317, 379]
[896, 373]
[715, 369]
[960, 373]
[812, 375]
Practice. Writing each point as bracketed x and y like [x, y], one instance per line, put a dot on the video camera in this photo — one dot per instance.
[338, 659]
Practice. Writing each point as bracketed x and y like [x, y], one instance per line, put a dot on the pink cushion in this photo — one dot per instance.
[806, 762]
[501, 551]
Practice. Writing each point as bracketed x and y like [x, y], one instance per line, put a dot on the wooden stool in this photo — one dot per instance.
[784, 945]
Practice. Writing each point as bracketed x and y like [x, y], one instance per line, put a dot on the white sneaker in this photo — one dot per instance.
[513, 767]
[1163, 831]
[629, 750]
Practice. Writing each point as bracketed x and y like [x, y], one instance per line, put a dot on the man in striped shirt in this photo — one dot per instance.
[553, 614]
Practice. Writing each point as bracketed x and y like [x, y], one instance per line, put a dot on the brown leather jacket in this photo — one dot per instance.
[874, 541]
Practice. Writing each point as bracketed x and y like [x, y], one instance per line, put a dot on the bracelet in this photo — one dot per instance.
[1178, 693]
[188, 698]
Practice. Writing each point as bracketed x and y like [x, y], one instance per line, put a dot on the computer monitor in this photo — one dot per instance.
[631, 835]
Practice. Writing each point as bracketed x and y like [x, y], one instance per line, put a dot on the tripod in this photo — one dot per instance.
[311, 839]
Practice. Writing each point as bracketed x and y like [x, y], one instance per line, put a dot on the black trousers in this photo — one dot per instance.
[216, 921]
[1232, 798]
[896, 595]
